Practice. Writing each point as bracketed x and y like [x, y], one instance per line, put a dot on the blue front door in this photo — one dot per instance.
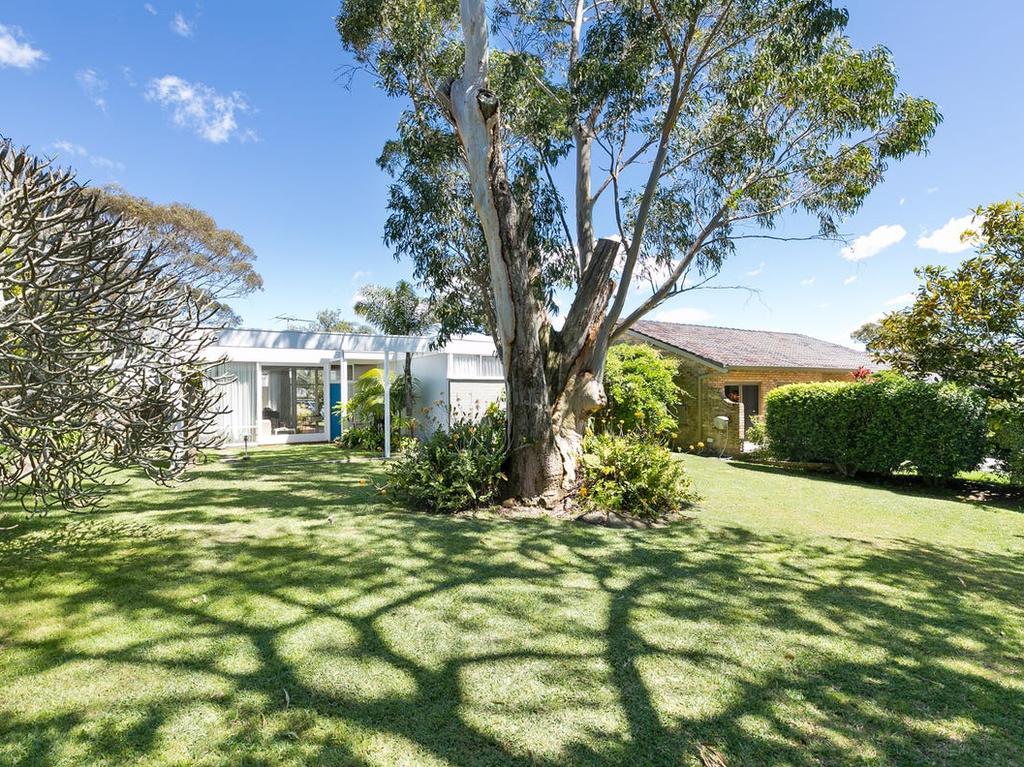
[335, 421]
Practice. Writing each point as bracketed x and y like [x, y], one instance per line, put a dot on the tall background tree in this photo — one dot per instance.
[396, 311]
[967, 325]
[685, 125]
[215, 263]
[327, 321]
[101, 346]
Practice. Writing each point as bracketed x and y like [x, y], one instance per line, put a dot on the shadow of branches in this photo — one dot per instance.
[232, 623]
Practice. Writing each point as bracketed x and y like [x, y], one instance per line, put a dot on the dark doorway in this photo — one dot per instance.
[751, 402]
[750, 396]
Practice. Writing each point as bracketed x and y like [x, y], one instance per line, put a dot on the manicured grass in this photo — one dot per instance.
[793, 621]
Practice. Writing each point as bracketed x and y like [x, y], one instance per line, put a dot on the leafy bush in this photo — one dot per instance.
[365, 406]
[1007, 426]
[452, 470]
[643, 396]
[878, 426]
[756, 432]
[362, 438]
[633, 477]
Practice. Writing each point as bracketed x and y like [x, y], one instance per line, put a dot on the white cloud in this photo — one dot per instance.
[874, 242]
[902, 200]
[756, 272]
[850, 280]
[149, 9]
[683, 314]
[808, 282]
[901, 300]
[67, 149]
[361, 275]
[93, 85]
[15, 52]
[199, 107]
[180, 26]
[947, 238]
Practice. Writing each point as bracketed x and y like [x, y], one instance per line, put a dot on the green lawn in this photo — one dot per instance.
[792, 621]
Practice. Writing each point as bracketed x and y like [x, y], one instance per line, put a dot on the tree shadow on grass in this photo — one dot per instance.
[274, 637]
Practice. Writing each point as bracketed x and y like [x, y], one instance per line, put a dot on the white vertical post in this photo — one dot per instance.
[387, 404]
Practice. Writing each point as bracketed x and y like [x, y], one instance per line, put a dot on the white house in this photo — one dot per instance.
[282, 386]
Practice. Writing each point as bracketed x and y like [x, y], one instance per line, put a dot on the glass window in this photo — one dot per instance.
[293, 400]
[490, 367]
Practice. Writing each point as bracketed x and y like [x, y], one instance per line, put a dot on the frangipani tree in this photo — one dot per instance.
[683, 124]
[102, 347]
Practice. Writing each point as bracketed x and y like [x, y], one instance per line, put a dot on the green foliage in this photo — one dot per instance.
[1006, 420]
[967, 324]
[753, 108]
[643, 395]
[633, 477]
[370, 438]
[329, 321]
[366, 400]
[878, 426]
[395, 311]
[216, 264]
[756, 432]
[452, 470]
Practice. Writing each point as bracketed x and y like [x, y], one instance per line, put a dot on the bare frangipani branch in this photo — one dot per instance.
[101, 351]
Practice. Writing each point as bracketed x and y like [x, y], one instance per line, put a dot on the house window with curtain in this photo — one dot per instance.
[236, 408]
[293, 400]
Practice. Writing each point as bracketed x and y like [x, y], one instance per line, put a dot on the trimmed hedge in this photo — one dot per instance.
[878, 426]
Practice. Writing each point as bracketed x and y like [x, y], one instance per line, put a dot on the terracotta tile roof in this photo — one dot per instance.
[733, 347]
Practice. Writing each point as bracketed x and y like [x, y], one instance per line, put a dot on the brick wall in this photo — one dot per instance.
[706, 399]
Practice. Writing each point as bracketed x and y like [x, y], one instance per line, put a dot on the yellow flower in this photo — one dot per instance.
[362, 483]
[700, 445]
[583, 491]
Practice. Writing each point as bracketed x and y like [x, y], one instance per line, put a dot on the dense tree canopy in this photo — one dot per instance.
[681, 125]
[967, 323]
[101, 347]
[215, 263]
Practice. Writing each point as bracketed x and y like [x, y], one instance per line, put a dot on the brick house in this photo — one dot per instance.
[728, 372]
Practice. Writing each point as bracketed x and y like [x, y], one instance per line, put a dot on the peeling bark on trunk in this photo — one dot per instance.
[553, 379]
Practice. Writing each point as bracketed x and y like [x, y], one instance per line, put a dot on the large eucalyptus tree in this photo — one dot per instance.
[683, 124]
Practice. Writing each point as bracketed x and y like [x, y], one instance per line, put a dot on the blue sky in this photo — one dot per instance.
[237, 108]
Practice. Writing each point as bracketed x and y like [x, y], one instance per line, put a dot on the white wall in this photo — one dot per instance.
[431, 373]
[471, 398]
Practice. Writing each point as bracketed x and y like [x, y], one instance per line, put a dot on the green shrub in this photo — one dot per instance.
[756, 432]
[1007, 425]
[362, 438]
[451, 470]
[878, 426]
[643, 396]
[637, 478]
